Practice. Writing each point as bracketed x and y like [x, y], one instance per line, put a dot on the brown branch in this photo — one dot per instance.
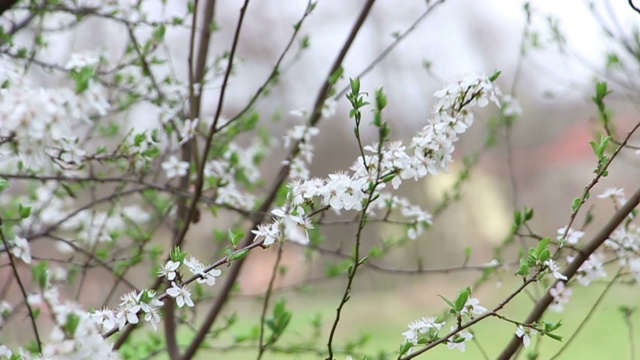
[212, 315]
[573, 267]
[6, 5]
[635, 8]
[389, 49]
[259, 216]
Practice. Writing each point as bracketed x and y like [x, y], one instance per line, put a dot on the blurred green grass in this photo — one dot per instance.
[382, 317]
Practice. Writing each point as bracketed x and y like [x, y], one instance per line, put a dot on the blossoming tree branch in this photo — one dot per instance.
[90, 198]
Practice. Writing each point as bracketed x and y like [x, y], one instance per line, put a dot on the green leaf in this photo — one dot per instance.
[528, 214]
[406, 346]
[601, 90]
[461, 299]
[449, 302]
[25, 211]
[554, 336]
[577, 202]
[4, 183]
[39, 274]
[355, 86]
[595, 148]
[176, 255]
[336, 75]
[517, 217]
[234, 238]
[71, 324]
[381, 99]
[158, 34]
[542, 246]
[494, 76]
[238, 255]
[524, 268]
[280, 320]
[82, 78]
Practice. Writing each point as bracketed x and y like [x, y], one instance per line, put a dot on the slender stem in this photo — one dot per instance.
[589, 314]
[276, 69]
[389, 49]
[14, 268]
[265, 304]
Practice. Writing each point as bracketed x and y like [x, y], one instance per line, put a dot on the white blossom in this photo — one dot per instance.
[573, 236]
[168, 270]
[458, 341]
[555, 269]
[182, 295]
[472, 306]
[175, 167]
[560, 294]
[525, 333]
[198, 268]
[21, 249]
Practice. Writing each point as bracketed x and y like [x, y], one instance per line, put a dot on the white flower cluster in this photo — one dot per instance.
[21, 249]
[625, 243]
[131, 304]
[287, 224]
[420, 219]
[146, 302]
[92, 226]
[299, 163]
[422, 326]
[225, 170]
[182, 294]
[590, 270]
[560, 294]
[572, 237]
[429, 153]
[616, 194]
[38, 123]
[510, 106]
[222, 173]
[75, 334]
[427, 328]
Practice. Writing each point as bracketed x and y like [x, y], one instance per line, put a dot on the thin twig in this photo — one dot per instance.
[262, 347]
[635, 8]
[14, 268]
[393, 45]
[587, 317]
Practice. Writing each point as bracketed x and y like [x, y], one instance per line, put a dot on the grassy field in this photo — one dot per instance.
[382, 317]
